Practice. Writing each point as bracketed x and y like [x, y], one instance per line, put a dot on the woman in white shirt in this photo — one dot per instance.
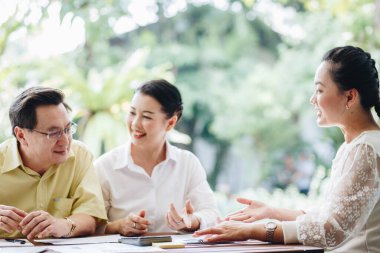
[347, 87]
[148, 184]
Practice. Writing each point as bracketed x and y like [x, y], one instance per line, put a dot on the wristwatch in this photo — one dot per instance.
[73, 226]
[270, 227]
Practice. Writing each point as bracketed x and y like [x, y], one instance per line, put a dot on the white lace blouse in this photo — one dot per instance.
[348, 220]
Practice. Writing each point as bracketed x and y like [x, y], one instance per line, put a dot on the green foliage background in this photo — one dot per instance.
[241, 77]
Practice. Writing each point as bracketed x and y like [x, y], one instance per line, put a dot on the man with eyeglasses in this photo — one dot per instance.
[48, 186]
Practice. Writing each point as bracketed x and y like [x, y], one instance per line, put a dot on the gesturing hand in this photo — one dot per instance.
[134, 224]
[10, 217]
[227, 231]
[188, 221]
[41, 224]
[254, 211]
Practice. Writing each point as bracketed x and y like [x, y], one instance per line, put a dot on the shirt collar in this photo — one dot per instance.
[122, 156]
[12, 158]
[171, 153]
[124, 159]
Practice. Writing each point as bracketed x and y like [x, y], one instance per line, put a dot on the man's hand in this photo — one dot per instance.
[254, 211]
[10, 217]
[186, 222]
[41, 224]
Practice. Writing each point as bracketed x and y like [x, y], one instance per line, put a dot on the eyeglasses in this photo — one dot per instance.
[55, 135]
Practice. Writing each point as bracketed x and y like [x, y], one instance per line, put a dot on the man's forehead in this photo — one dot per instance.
[52, 116]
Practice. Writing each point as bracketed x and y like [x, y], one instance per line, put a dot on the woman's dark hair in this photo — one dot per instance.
[352, 67]
[166, 94]
[22, 112]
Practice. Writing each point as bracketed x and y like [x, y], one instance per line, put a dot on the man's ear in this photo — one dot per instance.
[171, 123]
[352, 96]
[20, 135]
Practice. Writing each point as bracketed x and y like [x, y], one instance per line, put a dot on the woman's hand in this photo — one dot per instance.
[227, 231]
[186, 222]
[254, 211]
[134, 224]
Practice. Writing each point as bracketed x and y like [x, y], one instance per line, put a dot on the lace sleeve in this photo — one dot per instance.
[354, 192]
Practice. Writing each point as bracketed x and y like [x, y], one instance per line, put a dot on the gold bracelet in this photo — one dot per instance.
[73, 226]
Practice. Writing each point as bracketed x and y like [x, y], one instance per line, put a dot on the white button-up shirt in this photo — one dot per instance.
[128, 188]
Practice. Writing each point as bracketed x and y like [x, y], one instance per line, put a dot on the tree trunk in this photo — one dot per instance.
[220, 159]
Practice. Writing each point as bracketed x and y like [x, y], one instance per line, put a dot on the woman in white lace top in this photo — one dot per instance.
[347, 87]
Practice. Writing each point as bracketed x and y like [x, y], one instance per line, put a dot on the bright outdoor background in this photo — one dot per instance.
[245, 70]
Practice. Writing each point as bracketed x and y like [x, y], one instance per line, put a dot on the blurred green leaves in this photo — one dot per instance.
[241, 75]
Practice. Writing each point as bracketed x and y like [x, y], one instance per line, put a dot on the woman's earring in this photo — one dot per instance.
[347, 107]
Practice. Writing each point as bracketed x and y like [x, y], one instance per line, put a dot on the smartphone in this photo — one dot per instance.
[145, 240]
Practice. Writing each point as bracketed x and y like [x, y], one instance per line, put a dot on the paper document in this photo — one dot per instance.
[15, 243]
[81, 240]
[181, 238]
[103, 248]
[188, 239]
[35, 249]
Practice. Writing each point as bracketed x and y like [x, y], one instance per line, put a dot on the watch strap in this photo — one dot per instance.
[270, 235]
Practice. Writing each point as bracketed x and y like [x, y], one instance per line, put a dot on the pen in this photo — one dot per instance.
[15, 241]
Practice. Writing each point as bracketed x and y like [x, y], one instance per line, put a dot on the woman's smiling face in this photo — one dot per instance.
[147, 123]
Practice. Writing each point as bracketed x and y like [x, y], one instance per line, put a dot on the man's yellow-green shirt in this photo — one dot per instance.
[64, 189]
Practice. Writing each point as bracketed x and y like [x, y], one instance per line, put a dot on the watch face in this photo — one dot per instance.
[271, 225]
